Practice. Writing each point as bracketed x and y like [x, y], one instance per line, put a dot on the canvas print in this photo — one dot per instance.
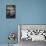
[10, 11]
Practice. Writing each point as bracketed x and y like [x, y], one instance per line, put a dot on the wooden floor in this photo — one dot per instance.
[30, 43]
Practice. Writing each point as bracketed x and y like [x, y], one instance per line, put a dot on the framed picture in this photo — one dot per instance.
[10, 11]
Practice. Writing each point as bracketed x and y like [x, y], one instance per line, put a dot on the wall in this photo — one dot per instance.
[31, 11]
[6, 25]
[27, 12]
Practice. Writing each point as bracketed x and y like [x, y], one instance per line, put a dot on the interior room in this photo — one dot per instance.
[26, 12]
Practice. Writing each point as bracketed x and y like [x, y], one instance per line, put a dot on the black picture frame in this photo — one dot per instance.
[10, 11]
